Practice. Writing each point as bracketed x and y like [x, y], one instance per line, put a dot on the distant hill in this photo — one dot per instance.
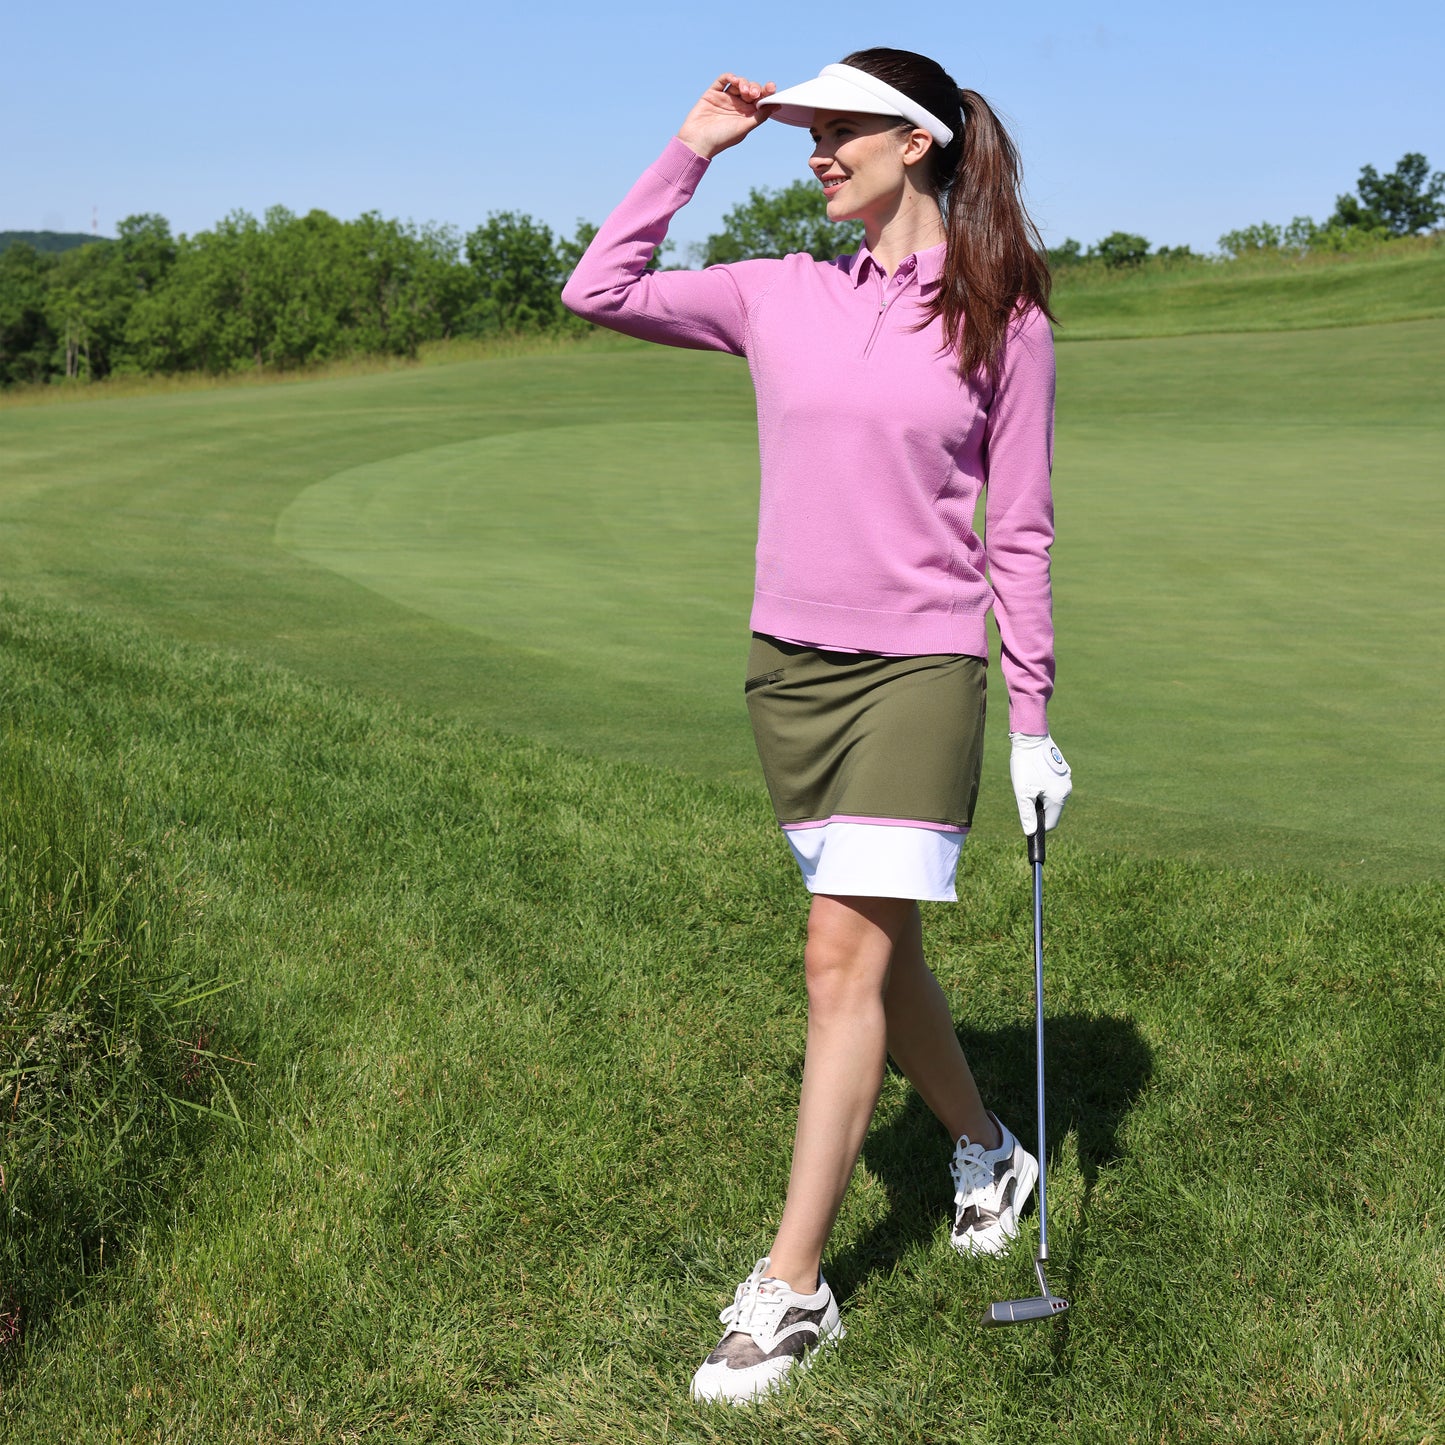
[1399, 281]
[51, 240]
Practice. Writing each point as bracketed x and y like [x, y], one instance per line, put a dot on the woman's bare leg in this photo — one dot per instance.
[923, 1044]
[851, 942]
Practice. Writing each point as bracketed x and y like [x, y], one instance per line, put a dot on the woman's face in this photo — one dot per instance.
[859, 159]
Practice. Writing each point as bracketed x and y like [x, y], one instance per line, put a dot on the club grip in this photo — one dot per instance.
[1036, 838]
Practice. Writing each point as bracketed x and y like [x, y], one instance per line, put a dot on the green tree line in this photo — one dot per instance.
[46, 240]
[280, 292]
[1405, 202]
[1383, 208]
[288, 291]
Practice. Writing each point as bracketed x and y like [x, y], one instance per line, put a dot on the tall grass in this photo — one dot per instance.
[430, 353]
[107, 1064]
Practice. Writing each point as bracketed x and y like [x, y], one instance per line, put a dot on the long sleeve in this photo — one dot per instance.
[1019, 519]
[704, 310]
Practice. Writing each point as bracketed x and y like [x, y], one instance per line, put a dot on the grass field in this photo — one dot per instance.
[523, 1033]
[510, 946]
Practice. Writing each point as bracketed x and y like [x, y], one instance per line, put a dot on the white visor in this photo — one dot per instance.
[845, 87]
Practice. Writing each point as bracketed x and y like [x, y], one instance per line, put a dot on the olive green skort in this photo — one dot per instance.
[859, 737]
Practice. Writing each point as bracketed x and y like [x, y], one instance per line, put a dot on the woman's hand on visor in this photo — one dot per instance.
[725, 113]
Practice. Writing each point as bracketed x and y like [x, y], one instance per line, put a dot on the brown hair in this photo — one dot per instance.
[995, 264]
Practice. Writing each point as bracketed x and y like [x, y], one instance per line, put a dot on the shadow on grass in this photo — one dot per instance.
[1097, 1067]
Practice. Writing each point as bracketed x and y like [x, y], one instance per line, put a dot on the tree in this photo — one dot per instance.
[569, 252]
[1120, 248]
[793, 218]
[88, 302]
[1409, 199]
[26, 338]
[440, 287]
[92, 290]
[1302, 234]
[1351, 214]
[215, 311]
[408, 284]
[519, 279]
[1250, 240]
[1306, 236]
[1069, 253]
[147, 248]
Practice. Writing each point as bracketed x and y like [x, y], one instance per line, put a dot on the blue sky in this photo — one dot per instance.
[1176, 122]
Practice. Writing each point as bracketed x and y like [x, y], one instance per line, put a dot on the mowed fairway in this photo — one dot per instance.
[560, 545]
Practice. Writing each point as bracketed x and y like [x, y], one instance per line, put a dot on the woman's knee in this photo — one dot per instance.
[850, 943]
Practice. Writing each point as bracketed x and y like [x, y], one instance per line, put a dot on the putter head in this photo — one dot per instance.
[1024, 1311]
[1043, 1306]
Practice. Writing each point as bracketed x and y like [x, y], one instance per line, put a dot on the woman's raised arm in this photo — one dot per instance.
[612, 287]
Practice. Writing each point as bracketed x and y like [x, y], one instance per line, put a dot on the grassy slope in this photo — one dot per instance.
[525, 1031]
[1401, 282]
[1244, 523]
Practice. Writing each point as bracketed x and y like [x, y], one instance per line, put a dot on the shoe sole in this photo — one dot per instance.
[779, 1384]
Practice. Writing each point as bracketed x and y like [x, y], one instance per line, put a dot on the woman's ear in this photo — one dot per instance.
[916, 146]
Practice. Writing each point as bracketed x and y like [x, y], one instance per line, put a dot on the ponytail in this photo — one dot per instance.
[995, 265]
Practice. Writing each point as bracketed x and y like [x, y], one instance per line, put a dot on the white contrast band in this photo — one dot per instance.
[881, 90]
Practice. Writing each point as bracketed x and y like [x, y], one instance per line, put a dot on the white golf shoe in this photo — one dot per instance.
[991, 1186]
[772, 1333]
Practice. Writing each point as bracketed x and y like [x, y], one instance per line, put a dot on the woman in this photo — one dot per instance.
[894, 386]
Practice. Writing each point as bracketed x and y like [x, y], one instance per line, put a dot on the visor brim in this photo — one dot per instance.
[796, 104]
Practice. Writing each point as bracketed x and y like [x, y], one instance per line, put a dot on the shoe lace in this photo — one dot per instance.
[758, 1304]
[970, 1171]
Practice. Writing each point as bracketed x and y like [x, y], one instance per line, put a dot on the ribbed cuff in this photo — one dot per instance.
[1028, 715]
[680, 166]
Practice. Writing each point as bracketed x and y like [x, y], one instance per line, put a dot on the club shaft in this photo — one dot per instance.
[1047, 1305]
[1039, 1047]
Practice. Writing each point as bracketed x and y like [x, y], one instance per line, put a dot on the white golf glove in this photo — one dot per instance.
[1038, 769]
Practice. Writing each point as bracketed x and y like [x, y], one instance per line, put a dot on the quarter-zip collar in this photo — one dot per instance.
[924, 267]
[926, 264]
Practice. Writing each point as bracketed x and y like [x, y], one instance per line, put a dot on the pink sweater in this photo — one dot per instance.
[874, 450]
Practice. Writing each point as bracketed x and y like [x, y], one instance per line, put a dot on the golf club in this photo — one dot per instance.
[1046, 1304]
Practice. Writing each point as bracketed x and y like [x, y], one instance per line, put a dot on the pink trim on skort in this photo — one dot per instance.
[879, 822]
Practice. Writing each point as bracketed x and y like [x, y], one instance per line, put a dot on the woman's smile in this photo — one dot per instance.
[863, 155]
